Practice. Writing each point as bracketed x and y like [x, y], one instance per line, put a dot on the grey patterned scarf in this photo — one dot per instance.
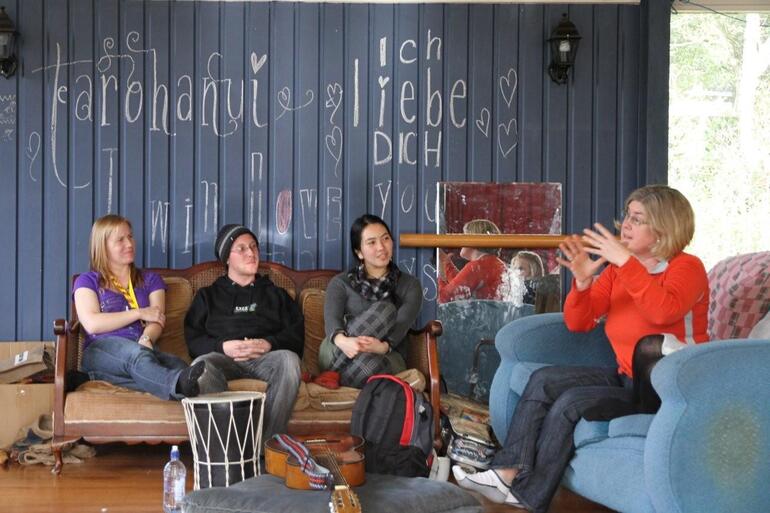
[375, 289]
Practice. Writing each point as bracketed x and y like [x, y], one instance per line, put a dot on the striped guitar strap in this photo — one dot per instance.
[318, 476]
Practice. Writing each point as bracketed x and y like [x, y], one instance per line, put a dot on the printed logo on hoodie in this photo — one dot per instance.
[245, 308]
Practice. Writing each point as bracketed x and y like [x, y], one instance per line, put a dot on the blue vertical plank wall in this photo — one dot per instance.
[294, 119]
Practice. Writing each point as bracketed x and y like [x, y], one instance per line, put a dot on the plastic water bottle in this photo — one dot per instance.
[174, 478]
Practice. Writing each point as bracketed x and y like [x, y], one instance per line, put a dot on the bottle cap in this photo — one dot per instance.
[175, 452]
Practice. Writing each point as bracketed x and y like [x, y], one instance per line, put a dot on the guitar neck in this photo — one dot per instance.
[330, 463]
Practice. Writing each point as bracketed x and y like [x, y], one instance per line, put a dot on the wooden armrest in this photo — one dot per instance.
[66, 346]
[422, 354]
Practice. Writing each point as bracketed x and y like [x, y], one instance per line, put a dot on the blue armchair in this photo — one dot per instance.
[708, 447]
[706, 450]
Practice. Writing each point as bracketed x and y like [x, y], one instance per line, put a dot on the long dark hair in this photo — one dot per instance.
[357, 228]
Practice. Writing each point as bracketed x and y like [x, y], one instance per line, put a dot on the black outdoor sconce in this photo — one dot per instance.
[7, 45]
[564, 44]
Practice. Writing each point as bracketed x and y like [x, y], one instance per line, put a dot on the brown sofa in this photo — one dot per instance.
[100, 412]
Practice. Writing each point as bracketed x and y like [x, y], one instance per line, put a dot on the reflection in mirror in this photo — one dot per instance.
[482, 289]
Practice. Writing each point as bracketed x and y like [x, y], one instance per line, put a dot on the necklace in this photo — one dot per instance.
[128, 292]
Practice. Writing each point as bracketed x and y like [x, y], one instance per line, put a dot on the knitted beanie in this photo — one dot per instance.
[225, 238]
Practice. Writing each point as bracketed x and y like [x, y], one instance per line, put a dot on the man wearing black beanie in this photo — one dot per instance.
[243, 326]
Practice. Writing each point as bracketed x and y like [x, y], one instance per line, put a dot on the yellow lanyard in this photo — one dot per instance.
[127, 293]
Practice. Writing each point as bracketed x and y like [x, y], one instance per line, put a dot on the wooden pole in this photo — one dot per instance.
[459, 240]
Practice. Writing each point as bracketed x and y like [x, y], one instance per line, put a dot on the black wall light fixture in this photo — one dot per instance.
[7, 45]
[564, 44]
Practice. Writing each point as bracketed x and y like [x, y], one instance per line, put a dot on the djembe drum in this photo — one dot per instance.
[225, 431]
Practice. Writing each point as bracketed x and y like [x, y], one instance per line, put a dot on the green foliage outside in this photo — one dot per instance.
[719, 129]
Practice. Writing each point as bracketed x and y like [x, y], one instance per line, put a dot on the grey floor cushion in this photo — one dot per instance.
[380, 494]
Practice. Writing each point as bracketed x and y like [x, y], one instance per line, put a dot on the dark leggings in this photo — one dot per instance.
[646, 354]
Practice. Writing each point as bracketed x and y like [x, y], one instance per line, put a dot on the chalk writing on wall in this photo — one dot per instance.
[508, 133]
[210, 205]
[159, 216]
[31, 151]
[188, 209]
[255, 191]
[333, 213]
[122, 85]
[333, 140]
[222, 100]
[283, 212]
[110, 176]
[7, 117]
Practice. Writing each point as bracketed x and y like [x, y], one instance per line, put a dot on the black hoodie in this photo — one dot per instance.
[226, 311]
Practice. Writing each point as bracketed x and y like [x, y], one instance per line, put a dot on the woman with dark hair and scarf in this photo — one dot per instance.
[369, 308]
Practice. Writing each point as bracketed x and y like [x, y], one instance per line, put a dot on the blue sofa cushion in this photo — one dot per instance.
[610, 471]
[592, 431]
[520, 375]
[380, 494]
[589, 432]
[631, 425]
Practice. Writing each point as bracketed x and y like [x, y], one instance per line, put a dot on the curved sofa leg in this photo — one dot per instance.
[57, 446]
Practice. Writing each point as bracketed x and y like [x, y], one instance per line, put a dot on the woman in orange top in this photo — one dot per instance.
[481, 277]
[655, 300]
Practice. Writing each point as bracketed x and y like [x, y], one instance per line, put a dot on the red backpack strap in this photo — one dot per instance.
[406, 432]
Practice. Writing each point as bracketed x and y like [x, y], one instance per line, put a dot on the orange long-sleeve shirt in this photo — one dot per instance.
[479, 279]
[638, 303]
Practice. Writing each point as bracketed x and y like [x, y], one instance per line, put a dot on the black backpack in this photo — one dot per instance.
[397, 424]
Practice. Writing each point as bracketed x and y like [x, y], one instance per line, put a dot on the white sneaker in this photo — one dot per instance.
[486, 483]
[510, 500]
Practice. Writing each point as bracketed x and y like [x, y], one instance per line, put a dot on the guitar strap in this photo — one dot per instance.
[318, 476]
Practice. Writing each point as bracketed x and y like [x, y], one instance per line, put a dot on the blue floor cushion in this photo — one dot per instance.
[380, 494]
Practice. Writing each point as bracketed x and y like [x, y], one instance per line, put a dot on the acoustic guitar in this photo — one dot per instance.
[341, 455]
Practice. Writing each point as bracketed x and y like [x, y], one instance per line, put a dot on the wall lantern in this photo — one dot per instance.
[564, 44]
[7, 45]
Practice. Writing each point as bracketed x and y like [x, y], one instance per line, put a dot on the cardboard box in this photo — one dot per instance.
[25, 364]
[22, 404]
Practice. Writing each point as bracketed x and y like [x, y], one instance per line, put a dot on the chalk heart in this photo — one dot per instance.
[334, 143]
[334, 95]
[483, 122]
[508, 84]
[257, 62]
[507, 137]
[283, 97]
[383, 80]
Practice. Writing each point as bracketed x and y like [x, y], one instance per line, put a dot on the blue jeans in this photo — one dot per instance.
[279, 369]
[125, 363]
[540, 438]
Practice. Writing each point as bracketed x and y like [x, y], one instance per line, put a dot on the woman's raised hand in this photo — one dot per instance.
[577, 260]
[152, 314]
[604, 244]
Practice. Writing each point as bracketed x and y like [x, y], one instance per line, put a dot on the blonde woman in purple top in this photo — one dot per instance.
[122, 310]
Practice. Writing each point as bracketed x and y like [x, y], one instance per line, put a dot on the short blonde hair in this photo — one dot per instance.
[669, 216]
[536, 268]
[100, 232]
[482, 227]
